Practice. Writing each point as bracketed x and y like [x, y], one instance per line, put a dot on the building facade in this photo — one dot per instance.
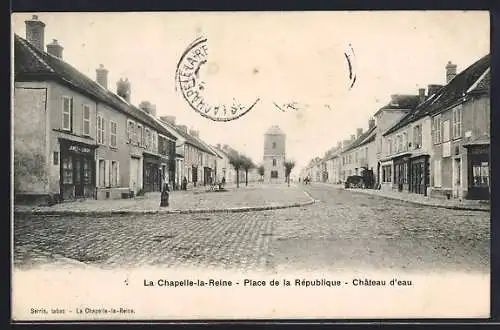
[76, 143]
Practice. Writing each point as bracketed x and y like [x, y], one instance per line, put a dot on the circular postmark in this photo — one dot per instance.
[192, 86]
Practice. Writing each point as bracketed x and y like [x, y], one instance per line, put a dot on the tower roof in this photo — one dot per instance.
[274, 130]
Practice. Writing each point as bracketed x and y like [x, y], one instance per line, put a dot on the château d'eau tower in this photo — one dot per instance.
[274, 155]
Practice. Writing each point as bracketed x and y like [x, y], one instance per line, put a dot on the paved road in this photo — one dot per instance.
[345, 230]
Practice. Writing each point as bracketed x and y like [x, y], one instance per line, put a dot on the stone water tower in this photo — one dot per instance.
[274, 155]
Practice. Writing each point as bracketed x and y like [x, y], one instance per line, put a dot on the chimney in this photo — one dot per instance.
[218, 145]
[123, 89]
[102, 76]
[183, 128]
[194, 133]
[432, 89]
[339, 145]
[55, 49]
[353, 137]
[35, 32]
[394, 100]
[371, 123]
[421, 95]
[359, 131]
[148, 107]
[168, 119]
[345, 143]
[451, 71]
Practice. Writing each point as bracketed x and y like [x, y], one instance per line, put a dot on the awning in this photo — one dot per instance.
[476, 143]
[392, 157]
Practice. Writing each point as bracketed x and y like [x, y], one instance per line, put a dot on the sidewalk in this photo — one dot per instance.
[420, 199]
[255, 197]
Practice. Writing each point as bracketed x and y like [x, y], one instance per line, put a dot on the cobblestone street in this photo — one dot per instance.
[344, 230]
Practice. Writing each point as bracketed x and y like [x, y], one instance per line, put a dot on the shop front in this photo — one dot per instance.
[419, 174]
[478, 171]
[152, 173]
[77, 169]
[401, 172]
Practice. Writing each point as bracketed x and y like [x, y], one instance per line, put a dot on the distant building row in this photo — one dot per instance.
[436, 144]
[73, 137]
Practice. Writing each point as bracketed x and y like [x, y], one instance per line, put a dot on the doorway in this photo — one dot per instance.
[457, 177]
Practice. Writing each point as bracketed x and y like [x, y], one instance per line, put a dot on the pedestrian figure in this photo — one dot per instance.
[184, 183]
[165, 195]
[223, 181]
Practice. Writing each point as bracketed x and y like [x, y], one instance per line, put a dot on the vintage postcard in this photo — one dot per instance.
[250, 165]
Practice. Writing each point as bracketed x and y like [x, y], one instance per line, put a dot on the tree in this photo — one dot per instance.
[247, 165]
[289, 165]
[262, 171]
[236, 161]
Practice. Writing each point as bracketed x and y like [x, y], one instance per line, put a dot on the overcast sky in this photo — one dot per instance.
[277, 57]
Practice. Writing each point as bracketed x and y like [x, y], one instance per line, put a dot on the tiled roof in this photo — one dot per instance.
[484, 84]
[33, 64]
[401, 101]
[453, 92]
[363, 139]
[188, 137]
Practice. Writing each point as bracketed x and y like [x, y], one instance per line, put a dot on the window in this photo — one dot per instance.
[457, 122]
[387, 173]
[437, 173]
[155, 141]
[87, 171]
[274, 162]
[480, 175]
[436, 126]
[379, 146]
[417, 137]
[356, 157]
[86, 119]
[101, 130]
[405, 141]
[446, 131]
[114, 173]
[274, 145]
[130, 131]
[56, 158]
[147, 138]
[67, 113]
[389, 146]
[67, 164]
[102, 173]
[112, 133]
[399, 142]
[139, 137]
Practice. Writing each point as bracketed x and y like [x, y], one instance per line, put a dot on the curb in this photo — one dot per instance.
[77, 213]
[450, 207]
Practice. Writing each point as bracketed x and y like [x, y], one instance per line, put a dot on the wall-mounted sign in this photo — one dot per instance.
[468, 134]
[80, 149]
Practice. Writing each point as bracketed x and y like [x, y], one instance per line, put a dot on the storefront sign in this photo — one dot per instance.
[79, 149]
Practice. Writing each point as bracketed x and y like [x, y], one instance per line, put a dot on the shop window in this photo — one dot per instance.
[481, 175]
[86, 119]
[67, 113]
[87, 171]
[274, 174]
[67, 164]
[387, 173]
[112, 133]
[56, 158]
